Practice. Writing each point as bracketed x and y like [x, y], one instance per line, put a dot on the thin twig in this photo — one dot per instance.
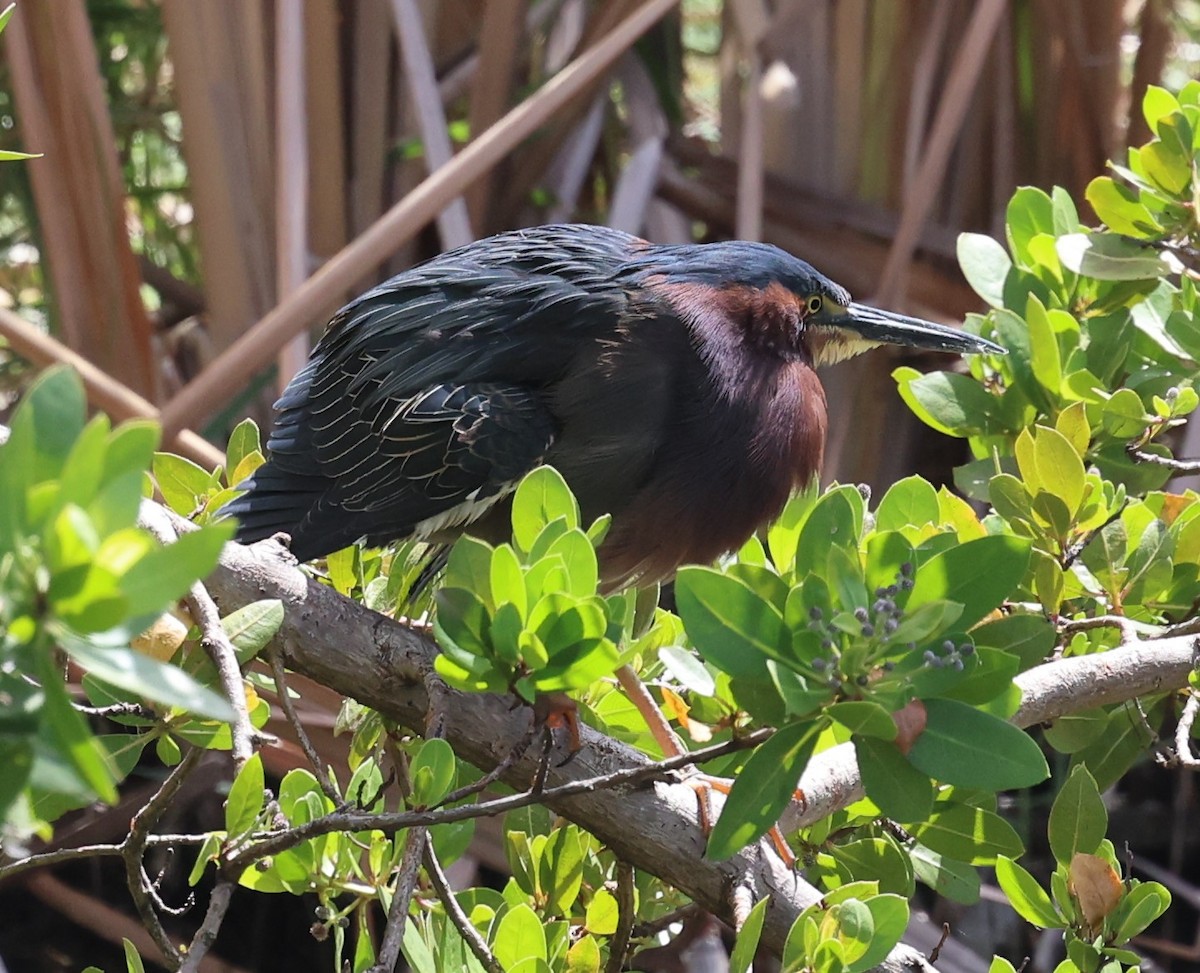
[618, 946]
[416, 840]
[117, 709]
[1180, 466]
[475, 942]
[392, 822]
[206, 935]
[134, 847]
[46, 859]
[216, 643]
[406, 881]
[1183, 733]
[1130, 630]
[293, 718]
[493, 775]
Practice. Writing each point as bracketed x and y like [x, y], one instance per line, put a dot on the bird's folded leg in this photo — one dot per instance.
[703, 786]
[556, 711]
[672, 746]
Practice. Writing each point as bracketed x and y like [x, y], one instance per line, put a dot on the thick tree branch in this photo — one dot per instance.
[380, 662]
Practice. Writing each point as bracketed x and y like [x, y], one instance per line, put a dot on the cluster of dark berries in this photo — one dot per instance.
[951, 655]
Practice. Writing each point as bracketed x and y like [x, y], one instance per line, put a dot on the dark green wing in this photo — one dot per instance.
[428, 397]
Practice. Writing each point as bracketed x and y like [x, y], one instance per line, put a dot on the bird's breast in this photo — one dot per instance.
[740, 442]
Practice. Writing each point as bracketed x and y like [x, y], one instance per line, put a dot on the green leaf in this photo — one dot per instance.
[746, 946]
[584, 956]
[863, 718]
[1045, 359]
[763, 789]
[166, 573]
[603, 913]
[1105, 256]
[734, 628]
[243, 441]
[899, 790]
[252, 626]
[519, 935]
[1026, 896]
[909, 502]
[687, 669]
[985, 264]
[542, 497]
[879, 860]
[157, 681]
[432, 771]
[832, 523]
[1119, 207]
[561, 865]
[948, 402]
[1143, 904]
[967, 747]
[133, 959]
[969, 834]
[1030, 213]
[889, 915]
[1078, 819]
[245, 799]
[978, 575]
[181, 482]
[956, 880]
[73, 740]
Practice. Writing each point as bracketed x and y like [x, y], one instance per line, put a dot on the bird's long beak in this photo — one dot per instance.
[887, 327]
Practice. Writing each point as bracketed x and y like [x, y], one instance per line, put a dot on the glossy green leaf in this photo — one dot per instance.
[561, 867]
[901, 791]
[889, 917]
[181, 482]
[746, 945]
[956, 880]
[252, 626]
[687, 669]
[909, 502]
[166, 573]
[1119, 207]
[519, 935]
[734, 628]
[1141, 905]
[1026, 896]
[603, 913]
[1078, 818]
[1030, 213]
[863, 718]
[948, 402]
[763, 789]
[967, 747]
[243, 441]
[157, 681]
[979, 575]
[970, 834]
[245, 800]
[541, 498]
[985, 264]
[1103, 256]
[432, 772]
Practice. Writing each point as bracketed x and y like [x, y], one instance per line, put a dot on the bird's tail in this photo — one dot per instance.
[275, 501]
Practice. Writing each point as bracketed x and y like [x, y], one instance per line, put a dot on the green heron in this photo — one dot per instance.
[672, 386]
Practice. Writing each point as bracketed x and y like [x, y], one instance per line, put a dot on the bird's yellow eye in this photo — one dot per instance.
[814, 304]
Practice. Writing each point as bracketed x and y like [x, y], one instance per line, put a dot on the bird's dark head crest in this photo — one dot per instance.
[734, 264]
